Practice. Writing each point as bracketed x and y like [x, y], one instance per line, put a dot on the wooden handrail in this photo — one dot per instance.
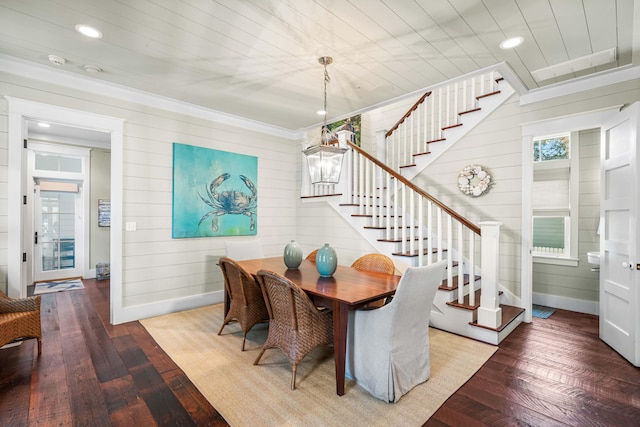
[408, 113]
[418, 190]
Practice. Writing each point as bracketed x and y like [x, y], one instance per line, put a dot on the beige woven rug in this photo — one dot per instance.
[248, 395]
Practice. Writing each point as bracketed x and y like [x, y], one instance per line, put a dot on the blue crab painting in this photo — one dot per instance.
[215, 193]
[230, 202]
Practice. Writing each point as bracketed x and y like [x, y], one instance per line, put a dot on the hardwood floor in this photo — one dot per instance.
[553, 371]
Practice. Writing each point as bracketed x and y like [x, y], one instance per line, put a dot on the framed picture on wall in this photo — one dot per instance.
[104, 213]
[215, 193]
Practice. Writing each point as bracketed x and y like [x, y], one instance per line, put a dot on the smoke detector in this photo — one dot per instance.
[57, 60]
[92, 69]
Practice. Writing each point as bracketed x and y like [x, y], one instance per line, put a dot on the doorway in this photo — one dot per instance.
[20, 113]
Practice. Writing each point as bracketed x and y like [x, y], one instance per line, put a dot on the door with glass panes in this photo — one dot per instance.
[58, 176]
[56, 233]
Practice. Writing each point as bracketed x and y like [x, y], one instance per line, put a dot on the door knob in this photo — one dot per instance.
[627, 265]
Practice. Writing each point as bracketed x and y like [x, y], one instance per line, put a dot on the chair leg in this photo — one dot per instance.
[39, 346]
[244, 339]
[260, 355]
[293, 377]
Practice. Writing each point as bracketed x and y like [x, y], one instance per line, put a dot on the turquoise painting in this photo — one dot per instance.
[214, 193]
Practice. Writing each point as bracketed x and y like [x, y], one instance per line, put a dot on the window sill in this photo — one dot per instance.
[556, 260]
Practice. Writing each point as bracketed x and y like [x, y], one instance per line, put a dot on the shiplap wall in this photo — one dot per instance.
[155, 266]
[578, 282]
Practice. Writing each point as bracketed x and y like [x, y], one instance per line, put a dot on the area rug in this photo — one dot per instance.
[541, 311]
[57, 286]
[250, 395]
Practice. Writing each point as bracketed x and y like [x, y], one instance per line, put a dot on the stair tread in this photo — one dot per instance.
[399, 240]
[465, 305]
[408, 166]
[322, 195]
[455, 282]
[436, 140]
[488, 94]
[509, 314]
[452, 126]
[473, 110]
[421, 154]
[415, 253]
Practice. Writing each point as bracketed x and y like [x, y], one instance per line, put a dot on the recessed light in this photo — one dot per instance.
[321, 112]
[44, 125]
[512, 42]
[89, 31]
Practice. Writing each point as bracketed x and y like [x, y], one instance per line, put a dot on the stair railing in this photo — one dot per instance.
[425, 229]
[436, 111]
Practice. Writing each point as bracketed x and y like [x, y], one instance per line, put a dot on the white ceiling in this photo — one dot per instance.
[258, 58]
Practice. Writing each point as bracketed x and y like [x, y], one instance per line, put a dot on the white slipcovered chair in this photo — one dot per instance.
[240, 250]
[388, 347]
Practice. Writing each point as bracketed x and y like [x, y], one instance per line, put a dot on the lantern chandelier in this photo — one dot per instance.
[325, 159]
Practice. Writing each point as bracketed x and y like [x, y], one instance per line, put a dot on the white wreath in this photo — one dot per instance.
[474, 181]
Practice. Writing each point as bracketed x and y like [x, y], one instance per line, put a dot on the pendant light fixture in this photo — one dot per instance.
[325, 159]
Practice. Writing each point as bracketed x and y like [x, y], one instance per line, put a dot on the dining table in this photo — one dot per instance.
[347, 289]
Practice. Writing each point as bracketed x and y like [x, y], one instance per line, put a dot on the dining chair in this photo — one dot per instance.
[312, 255]
[246, 303]
[296, 326]
[388, 347]
[241, 250]
[20, 320]
[379, 263]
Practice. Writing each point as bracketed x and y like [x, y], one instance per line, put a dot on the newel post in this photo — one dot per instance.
[489, 312]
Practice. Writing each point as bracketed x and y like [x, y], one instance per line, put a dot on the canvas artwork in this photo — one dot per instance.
[214, 193]
[351, 123]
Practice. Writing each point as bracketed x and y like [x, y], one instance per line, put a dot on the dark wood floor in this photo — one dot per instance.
[554, 371]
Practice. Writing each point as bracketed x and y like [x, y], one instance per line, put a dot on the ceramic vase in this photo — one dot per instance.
[292, 255]
[326, 261]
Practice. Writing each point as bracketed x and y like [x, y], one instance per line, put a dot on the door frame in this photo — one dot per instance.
[19, 112]
[575, 122]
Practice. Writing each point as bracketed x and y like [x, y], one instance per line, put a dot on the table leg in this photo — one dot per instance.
[340, 320]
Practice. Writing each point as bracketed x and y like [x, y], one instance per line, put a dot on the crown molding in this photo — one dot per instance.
[68, 79]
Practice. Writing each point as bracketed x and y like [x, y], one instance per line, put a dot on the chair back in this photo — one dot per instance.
[312, 255]
[379, 263]
[287, 304]
[243, 249]
[239, 283]
[412, 304]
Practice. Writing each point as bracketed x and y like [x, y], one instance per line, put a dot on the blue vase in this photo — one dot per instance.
[326, 261]
[292, 255]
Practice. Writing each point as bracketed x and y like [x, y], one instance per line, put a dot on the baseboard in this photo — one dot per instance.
[565, 303]
[143, 311]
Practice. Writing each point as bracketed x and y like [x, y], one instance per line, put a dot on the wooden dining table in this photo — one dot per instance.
[346, 290]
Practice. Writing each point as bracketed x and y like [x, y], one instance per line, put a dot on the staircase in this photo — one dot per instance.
[401, 220]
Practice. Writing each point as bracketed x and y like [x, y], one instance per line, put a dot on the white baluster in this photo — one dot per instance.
[471, 268]
[420, 231]
[404, 218]
[412, 221]
[429, 232]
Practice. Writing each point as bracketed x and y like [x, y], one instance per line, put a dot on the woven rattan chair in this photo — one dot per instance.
[20, 320]
[296, 326]
[312, 256]
[246, 302]
[379, 263]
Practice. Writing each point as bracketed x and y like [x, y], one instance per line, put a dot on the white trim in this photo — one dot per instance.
[556, 260]
[20, 111]
[31, 70]
[581, 84]
[564, 303]
[160, 308]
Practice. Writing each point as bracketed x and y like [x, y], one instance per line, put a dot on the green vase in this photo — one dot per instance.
[292, 255]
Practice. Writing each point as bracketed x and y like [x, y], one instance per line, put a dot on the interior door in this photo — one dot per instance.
[619, 259]
[58, 234]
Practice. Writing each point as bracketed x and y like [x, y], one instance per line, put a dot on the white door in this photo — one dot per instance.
[620, 239]
[58, 232]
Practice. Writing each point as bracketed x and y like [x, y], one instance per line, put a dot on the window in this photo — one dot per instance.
[555, 193]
